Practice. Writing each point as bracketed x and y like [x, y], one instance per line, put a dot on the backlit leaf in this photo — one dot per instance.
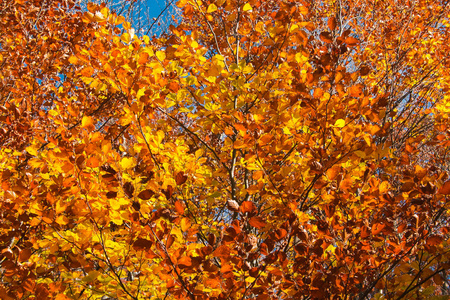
[247, 7]
[339, 123]
[211, 8]
[257, 222]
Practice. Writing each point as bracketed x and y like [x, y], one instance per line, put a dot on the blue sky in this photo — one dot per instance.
[143, 14]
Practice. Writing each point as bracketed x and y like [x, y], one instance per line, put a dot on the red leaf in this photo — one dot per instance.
[168, 192]
[146, 194]
[142, 244]
[111, 194]
[180, 178]
[128, 188]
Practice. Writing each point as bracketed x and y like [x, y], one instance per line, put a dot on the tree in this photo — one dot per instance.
[257, 150]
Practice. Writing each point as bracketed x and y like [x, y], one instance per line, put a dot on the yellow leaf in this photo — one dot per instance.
[384, 187]
[91, 276]
[160, 55]
[127, 163]
[185, 224]
[115, 205]
[125, 37]
[87, 122]
[31, 150]
[339, 123]
[211, 8]
[62, 220]
[247, 7]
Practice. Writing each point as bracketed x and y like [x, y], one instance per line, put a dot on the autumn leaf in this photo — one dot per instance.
[222, 251]
[339, 123]
[211, 8]
[246, 7]
[434, 240]
[185, 262]
[87, 122]
[248, 207]
[445, 188]
[91, 276]
[179, 207]
[146, 194]
[185, 224]
[180, 178]
[377, 228]
[351, 41]
[271, 149]
[257, 222]
[142, 244]
[232, 205]
[332, 23]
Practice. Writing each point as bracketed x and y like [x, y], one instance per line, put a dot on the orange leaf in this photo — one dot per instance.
[247, 206]
[92, 162]
[226, 268]
[333, 172]
[332, 23]
[257, 175]
[265, 139]
[257, 222]
[29, 285]
[143, 58]
[222, 251]
[24, 254]
[185, 262]
[170, 240]
[179, 207]
[356, 91]
[326, 37]
[351, 41]
[377, 228]
[88, 123]
[173, 86]
[434, 240]
[445, 188]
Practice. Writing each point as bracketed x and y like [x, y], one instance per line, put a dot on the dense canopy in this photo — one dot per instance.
[269, 149]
